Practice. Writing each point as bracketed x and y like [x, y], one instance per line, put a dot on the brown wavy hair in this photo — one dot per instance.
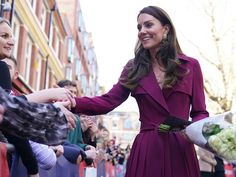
[166, 55]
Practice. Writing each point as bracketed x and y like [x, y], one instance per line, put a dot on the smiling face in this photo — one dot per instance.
[150, 31]
[6, 40]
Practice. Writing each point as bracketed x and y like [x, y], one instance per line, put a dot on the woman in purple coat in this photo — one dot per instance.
[164, 82]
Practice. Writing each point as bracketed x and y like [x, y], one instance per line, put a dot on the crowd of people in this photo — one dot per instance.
[55, 122]
[80, 145]
[40, 126]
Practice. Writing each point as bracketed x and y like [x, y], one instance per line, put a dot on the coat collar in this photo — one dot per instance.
[150, 85]
[183, 57]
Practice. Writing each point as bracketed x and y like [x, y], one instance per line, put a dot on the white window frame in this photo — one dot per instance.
[70, 52]
[38, 71]
[57, 45]
[32, 4]
[28, 53]
[43, 16]
[51, 33]
[83, 82]
[78, 69]
[68, 73]
[47, 77]
[16, 33]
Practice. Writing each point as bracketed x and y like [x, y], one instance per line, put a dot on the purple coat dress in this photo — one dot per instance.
[156, 154]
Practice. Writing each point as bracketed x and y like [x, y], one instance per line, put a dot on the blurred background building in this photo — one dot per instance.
[123, 126]
[51, 44]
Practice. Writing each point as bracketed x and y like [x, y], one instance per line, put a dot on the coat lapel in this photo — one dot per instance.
[150, 85]
[183, 85]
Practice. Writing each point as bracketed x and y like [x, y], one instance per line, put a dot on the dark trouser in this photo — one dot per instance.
[213, 174]
[25, 151]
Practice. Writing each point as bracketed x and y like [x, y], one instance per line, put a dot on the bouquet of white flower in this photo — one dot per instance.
[216, 133]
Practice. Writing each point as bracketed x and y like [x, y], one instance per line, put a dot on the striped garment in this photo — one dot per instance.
[46, 157]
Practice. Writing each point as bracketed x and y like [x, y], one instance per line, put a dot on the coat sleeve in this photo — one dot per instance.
[104, 103]
[198, 110]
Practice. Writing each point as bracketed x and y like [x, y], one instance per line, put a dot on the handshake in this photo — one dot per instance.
[42, 116]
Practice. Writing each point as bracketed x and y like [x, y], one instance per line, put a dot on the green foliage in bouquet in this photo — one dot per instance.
[210, 129]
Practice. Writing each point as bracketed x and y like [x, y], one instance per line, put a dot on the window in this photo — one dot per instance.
[55, 40]
[83, 82]
[47, 78]
[28, 51]
[91, 56]
[16, 32]
[51, 34]
[78, 68]
[32, 4]
[81, 22]
[68, 73]
[57, 45]
[70, 53]
[127, 123]
[115, 122]
[38, 68]
[43, 16]
[86, 40]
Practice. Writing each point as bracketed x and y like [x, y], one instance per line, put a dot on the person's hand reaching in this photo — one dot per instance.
[59, 150]
[93, 130]
[91, 154]
[89, 147]
[61, 94]
[100, 155]
[1, 113]
[69, 116]
[86, 122]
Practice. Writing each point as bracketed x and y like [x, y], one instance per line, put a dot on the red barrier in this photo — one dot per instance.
[110, 169]
[4, 170]
[229, 171]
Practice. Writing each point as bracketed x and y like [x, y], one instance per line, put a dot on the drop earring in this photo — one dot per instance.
[164, 36]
